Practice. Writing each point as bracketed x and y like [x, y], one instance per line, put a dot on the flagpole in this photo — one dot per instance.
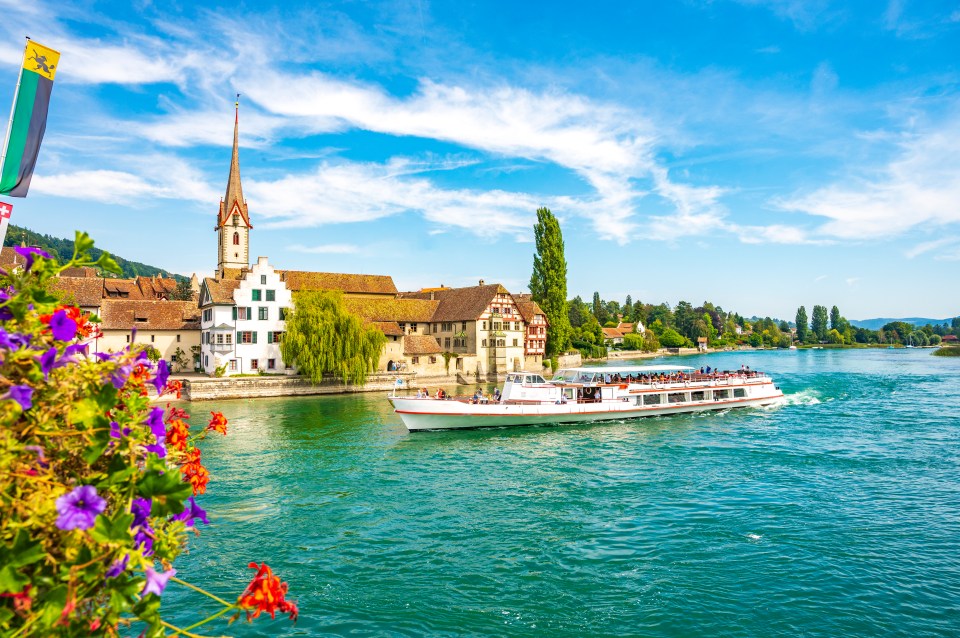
[13, 109]
[5, 222]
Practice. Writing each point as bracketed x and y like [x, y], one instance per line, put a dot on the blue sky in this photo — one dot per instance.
[760, 154]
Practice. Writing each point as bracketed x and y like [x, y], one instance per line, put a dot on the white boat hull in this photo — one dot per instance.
[434, 414]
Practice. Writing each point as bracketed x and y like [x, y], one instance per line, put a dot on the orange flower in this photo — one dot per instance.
[194, 472]
[173, 387]
[266, 593]
[178, 431]
[218, 422]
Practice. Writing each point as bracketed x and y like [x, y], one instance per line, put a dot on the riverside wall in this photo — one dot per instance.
[210, 388]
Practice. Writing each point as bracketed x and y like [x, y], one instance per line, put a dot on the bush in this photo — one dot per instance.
[100, 487]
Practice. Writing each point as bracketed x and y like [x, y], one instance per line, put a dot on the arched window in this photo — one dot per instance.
[236, 239]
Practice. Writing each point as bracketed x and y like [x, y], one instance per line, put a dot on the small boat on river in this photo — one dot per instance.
[584, 395]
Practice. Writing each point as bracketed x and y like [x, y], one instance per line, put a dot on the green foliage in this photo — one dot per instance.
[324, 338]
[63, 250]
[947, 351]
[818, 324]
[672, 339]
[183, 291]
[548, 282]
[81, 449]
[632, 341]
[834, 336]
[650, 342]
[835, 319]
[179, 360]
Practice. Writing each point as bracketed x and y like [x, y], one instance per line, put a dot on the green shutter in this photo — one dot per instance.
[234, 313]
[250, 313]
[269, 337]
[254, 336]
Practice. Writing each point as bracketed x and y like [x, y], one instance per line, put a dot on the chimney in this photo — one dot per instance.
[481, 282]
[432, 294]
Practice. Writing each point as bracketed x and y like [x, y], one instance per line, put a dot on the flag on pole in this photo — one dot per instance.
[5, 211]
[28, 120]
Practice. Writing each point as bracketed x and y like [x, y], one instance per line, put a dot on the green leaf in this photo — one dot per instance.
[168, 491]
[11, 581]
[148, 609]
[116, 530]
[24, 551]
[82, 244]
[108, 263]
[100, 442]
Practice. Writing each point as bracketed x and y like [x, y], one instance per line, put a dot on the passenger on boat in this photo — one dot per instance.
[496, 394]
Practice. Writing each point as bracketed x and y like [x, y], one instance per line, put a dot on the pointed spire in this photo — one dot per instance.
[234, 194]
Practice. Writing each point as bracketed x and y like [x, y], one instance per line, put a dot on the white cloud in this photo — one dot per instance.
[926, 247]
[852, 280]
[919, 188]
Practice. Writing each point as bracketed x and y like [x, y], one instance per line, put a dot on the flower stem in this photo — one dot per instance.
[209, 618]
[181, 632]
[201, 591]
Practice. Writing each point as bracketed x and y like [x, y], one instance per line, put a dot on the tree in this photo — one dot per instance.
[599, 308]
[577, 312]
[819, 323]
[183, 292]
[650, 342]
[632, 341]
[835, 318]
[548, 282]
[323, 337]
[672, 339]
[834, 336]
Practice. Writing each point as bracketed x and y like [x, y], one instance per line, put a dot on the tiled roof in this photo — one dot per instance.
[124, 314]
[297, 280]
[121, 289]
[389, 328]
[83, 271]
[528, 308]
[460, 304]
[221, 290]
[153, 287]
[9, 257]
[405, 310]
[625, 327]
[82, 291]
[421, 344]
[235, 273]
[612, 333]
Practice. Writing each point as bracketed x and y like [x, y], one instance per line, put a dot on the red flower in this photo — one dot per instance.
[178, 431]
[174, 387]
[266, 593]
[194, 472]
[218, 422]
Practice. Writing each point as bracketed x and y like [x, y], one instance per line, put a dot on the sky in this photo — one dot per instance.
[758, 154]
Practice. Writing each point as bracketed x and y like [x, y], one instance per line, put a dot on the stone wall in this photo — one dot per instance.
[204, 388]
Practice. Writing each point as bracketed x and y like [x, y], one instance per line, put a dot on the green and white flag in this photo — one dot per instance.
[28, 121]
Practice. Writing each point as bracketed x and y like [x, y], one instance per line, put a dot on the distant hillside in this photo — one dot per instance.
[63, 250]
[876, 324]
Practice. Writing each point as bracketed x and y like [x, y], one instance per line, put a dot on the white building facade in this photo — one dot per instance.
[242, 322]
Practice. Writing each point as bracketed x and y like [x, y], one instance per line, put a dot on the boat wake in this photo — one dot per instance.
[804, 397]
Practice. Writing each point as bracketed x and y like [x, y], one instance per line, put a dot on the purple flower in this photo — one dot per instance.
[22, 394]
[192, 512]
[156, 581]
[41, 458]
[64, 328]
[30, 254]
[143, 537]
[47, 361]
[163, 373]
[119, 376]
[118, 567]
[158, 448]
[155, 421]
[79, 508]
[13, 341]
[116, 432]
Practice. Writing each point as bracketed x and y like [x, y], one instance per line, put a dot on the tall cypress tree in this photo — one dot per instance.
[835, 318]
[548, 283]
[802, 325]
[819, 323]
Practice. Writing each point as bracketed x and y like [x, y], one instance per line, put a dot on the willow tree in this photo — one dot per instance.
[323, 337]
[548, 283]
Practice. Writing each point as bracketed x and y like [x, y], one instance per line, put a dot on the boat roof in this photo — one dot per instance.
[629, 369]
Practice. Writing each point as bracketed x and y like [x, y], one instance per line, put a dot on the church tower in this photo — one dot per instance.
[233, 220]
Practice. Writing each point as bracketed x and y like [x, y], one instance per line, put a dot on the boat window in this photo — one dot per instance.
[739, 393]
[513, 378]
[699, 395]
[676, 397]
[721, 394]
[568, 392]
[565, 375]
[537, 379]
[652, 399]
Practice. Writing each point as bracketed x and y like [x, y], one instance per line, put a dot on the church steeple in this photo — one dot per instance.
[233, 219]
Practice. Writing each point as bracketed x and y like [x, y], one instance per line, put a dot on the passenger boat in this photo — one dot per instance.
[583, 395]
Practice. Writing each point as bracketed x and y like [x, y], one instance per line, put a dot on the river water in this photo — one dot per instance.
[835, 514]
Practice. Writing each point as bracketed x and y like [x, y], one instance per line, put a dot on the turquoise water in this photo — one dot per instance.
[836, 514]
